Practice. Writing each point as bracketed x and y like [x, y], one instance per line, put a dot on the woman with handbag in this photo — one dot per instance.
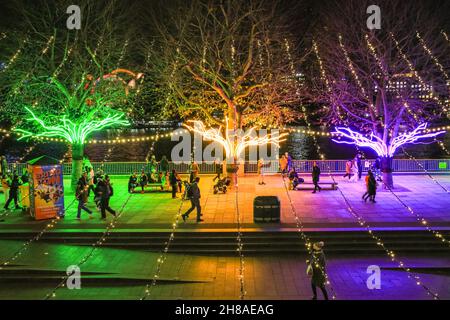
[316, 270]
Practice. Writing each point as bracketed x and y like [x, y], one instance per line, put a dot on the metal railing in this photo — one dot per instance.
[399, 165]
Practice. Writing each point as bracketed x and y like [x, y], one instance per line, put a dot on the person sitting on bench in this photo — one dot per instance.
[294, 178]
[143, 180]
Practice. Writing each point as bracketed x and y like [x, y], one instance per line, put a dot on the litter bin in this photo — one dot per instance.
[266, 209]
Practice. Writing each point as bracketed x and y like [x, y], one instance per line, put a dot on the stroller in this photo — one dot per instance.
[222, 185]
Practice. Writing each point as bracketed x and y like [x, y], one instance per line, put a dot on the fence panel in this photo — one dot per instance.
[338, 166]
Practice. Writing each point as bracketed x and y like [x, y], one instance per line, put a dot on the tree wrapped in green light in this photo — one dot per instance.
[50, 109]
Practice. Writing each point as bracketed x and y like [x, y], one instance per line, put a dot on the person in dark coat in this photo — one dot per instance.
[132, 182]
[14, 185]
[164, 165]
[371, 187]
[317, 270]
[106, 191]
[82, 194]
[359, 165]
[194, 196]
[143, 179]
[316, 177]
[173, 180]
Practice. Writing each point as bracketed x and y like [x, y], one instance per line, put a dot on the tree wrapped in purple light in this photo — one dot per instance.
[378, 145]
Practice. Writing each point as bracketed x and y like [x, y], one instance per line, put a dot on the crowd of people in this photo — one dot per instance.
[100, 185]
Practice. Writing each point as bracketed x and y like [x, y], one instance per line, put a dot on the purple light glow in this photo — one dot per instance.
[378, 145]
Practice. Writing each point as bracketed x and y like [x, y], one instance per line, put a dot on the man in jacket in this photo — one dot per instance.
[105, 190]
[14, 185]
[194, 196]
[82, 194]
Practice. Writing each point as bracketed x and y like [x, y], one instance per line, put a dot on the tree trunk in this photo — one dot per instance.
[77, 163]
[386, 169]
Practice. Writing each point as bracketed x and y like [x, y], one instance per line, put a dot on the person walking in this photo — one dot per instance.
[317, 270]
[283, 165]
[316, 177]
[289, 161]
[355, 172]
[174, 179]
[105, 191]
[193, 194]
[261, 166]
[348, 169]
[372, 187]
[3, 166]
[358, 162]
[13, 184]
[82, 194]
[194, 170]
[164, 165]
[377, 168]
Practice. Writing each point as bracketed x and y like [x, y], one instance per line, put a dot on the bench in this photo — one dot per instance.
[310, 185]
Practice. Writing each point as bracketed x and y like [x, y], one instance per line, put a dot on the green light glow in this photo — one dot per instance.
[73, 132]
[72, 115]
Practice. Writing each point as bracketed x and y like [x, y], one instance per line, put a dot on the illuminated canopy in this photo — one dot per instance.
[378, 145]
[233, 143]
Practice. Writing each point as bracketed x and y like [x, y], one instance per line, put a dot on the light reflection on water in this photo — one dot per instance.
[299, 145]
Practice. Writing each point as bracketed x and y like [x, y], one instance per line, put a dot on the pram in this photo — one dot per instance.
[222, 185]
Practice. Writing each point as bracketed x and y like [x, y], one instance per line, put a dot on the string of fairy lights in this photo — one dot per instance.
[419, 218]
[431, 55]
[391, 254]
[163, 254]
[299, 223]
[425, 170]
[16, 55]
[102, 239]
[240, 242]
[53, 222]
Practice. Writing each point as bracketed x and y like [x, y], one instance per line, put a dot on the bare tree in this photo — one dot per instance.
[217, 59]
[380, 82]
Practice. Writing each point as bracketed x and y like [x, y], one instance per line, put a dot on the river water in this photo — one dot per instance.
[299, 145]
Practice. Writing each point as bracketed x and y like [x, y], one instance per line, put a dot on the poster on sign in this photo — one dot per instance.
[46, 191]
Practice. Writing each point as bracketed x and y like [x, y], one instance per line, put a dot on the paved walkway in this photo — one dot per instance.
[123, 274]
[326, 209]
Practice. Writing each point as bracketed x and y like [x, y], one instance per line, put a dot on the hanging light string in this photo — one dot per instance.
[418, 217]
[355, 75]
[323, 76]
[445, 35]
[163, 254]
[103, 238]
[240, 242]
[298, 222]
[442, 146]
[391, 254]
[412, 69]
[382, 67]
[16, 55]
[53, 222]
[425, 170]
[431, 55]
[305, 238]
[50, 225]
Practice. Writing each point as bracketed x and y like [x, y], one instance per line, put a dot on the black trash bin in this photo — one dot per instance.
[266, 209]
